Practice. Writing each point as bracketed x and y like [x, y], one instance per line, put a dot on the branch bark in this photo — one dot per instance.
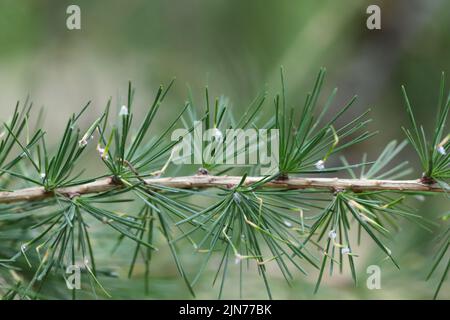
[207, 181]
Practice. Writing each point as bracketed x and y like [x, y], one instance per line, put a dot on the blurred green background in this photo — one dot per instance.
[237, 48]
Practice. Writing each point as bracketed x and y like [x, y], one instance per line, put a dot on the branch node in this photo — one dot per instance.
[282, 177]
[202, 172]
[115, 180]
[427, 180]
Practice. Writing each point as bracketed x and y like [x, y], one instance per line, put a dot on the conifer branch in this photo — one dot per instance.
[280, 217]
[209, 181]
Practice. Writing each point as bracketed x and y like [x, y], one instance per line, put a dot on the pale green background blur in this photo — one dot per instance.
[236, 47]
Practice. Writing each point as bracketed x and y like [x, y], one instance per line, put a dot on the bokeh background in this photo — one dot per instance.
[236, 48]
